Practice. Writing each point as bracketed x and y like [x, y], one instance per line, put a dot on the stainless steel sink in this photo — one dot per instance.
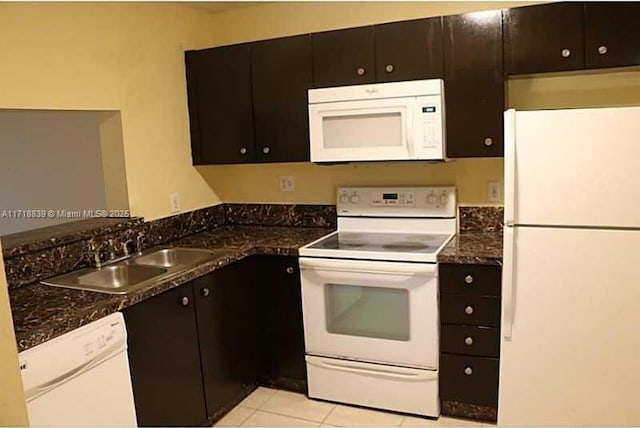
[119, 276]
[173, 257]
[135, 273]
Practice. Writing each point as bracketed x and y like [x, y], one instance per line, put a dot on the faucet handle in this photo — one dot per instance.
[93, 249]
[112, 249]
[139, 242]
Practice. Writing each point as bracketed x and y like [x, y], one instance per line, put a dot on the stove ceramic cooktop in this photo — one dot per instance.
[378, 246]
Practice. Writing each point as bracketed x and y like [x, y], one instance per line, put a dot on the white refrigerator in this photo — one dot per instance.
[570, 348]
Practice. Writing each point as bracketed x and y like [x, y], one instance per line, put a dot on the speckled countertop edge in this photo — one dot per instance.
[41, 312]
[473, 248]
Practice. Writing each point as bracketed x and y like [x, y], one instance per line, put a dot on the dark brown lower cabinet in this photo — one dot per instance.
[197, 350]
[470, 340]
[165, 360]
[225, 302]
[281, 331]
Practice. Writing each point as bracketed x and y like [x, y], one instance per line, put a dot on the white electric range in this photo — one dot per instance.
[370, 299]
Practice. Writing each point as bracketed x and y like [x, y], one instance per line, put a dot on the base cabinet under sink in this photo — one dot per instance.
[197, 350]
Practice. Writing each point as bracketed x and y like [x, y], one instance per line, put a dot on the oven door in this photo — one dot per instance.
[384, 312]
[364, 130]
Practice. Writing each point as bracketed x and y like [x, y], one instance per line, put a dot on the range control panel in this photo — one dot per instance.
[397, 201]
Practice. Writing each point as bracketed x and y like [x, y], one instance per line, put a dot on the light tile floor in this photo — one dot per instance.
[274, 408]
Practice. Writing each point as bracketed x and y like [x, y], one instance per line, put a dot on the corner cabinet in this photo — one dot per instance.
[474, 84]
[281, 330]
[192, 349]
[197, 350]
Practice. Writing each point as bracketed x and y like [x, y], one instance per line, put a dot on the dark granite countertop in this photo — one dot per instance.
[41, 312]
[473, 248]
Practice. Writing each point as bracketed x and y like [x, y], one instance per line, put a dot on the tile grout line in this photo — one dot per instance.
[247, 418]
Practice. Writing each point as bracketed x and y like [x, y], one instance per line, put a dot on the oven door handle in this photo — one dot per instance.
[342, 265]
[388, 372]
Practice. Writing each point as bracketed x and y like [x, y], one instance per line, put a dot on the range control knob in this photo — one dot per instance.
[444, 199]
[355, 198]
[431, 198]
[344, 198]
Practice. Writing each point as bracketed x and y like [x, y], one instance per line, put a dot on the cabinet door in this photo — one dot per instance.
[474, 84]
[226, 314]
[220, 106]
[281, 328]
[165, 360]
[343, 57]
[548, 37]
[409, 50]
[281, 75]
[612, 34]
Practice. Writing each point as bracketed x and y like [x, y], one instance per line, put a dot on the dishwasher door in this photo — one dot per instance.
[81, 378]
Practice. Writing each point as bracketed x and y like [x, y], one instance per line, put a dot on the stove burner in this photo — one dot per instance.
[404, 246]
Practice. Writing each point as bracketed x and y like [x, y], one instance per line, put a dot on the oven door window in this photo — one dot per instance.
[376, 312]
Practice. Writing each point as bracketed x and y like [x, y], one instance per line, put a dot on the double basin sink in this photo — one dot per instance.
[135, 273]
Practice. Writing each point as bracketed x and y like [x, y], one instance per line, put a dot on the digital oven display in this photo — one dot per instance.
[390, 196]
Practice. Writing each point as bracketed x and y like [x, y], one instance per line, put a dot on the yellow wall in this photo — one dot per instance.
[316, 184]
[13, 411]
[107, 56]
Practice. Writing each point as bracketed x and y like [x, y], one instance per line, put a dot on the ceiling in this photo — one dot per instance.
[220, 6]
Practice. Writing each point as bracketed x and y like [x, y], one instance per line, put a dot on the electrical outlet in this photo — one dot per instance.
[287, 183]
[174, 199]
[494, 191]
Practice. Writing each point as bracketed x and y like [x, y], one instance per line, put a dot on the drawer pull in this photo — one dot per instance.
[289, 270]
[602, 50]
[566, 53]
[468, 310]
[184, 301]
[360, 71]
[468, 340]
[468, 279]
[468, 371]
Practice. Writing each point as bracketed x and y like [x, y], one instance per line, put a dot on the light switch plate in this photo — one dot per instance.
[494, 191]
[287, 183]
[174, 199]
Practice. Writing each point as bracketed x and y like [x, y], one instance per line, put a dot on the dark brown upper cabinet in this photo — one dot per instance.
[409, 50]
[281, 76]
[612, 34]
[220, 105]
[542, 38]
[343, 57]
[474, 84]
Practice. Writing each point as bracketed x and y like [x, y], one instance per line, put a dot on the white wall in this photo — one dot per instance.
[48, 160]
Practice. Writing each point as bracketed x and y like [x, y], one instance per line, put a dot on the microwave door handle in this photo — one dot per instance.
[409, 130]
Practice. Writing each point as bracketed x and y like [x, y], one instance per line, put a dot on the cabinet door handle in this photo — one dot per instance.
[243, 151]
[488, 141]
[566, 53]
[389, 68]
[468, 371]
[468, 310]
[602, 50]
[360, 71]
[468, 279]
[185, 301]
[266, 150]
[290, 270]
[468, 340]
[205, 292]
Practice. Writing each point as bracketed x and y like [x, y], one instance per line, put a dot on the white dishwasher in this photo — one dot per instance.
[80, 378]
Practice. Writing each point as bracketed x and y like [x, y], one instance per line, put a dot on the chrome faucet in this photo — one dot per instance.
[125, 246]
[96, 254]
[112, 249]
[139, 242]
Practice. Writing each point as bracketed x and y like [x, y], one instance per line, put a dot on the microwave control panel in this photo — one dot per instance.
[397, 201]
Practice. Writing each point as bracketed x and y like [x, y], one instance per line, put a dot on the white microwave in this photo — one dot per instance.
[378, 122]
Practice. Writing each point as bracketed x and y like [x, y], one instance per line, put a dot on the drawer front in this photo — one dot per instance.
[470, 310]
[470, 279]
[471, 380]
[479, 341]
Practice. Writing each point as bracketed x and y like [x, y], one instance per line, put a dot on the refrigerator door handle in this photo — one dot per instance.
[509, 166]
[508, 281]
